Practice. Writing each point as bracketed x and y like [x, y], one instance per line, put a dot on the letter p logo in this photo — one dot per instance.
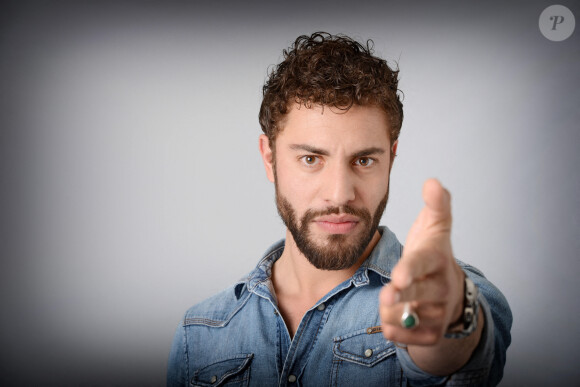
[557, 20]
[557, 23]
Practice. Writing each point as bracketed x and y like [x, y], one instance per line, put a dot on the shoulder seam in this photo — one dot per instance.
[216, 323]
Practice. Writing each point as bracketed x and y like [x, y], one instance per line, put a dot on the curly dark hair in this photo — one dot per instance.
[330, 70]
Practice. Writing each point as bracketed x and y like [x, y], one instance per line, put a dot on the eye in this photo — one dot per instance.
[364, 161]
[310, 160]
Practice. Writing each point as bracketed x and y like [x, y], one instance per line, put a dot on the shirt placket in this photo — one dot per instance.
[301, 346]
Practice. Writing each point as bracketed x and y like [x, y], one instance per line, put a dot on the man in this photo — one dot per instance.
[339, 301]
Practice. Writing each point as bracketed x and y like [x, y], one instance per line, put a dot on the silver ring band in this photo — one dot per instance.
[409, 319]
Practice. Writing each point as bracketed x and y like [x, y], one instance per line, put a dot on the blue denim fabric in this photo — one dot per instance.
[238, 337]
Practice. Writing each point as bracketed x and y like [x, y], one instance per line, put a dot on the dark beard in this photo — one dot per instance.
[337, 254]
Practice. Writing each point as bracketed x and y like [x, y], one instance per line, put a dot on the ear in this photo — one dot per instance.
[394, 147]
[267, 156]
[393, 153]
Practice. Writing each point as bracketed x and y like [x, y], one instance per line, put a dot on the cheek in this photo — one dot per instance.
[294, 186]
[377, 194]
[297, 193]
[291, 180]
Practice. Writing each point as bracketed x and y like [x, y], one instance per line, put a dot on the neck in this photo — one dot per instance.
[294, 275]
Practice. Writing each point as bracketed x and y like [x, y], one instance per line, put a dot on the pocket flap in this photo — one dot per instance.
[230, 370]
[363, 348]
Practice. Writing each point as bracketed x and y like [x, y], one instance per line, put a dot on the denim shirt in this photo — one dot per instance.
[238, 337]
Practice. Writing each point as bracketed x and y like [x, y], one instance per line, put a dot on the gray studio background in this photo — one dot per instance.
[132, 186]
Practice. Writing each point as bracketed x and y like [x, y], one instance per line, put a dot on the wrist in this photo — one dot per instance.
[457, 315]
[467, 321]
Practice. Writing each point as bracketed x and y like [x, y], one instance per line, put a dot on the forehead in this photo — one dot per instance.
[324, 125]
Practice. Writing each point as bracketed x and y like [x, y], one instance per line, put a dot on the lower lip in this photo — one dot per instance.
[337, 228]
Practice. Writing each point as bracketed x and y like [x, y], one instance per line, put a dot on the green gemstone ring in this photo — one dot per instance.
[409, 319]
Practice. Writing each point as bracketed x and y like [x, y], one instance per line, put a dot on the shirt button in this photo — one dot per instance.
[321, 307]
[292, 378]
[213, 379]
[369, 352]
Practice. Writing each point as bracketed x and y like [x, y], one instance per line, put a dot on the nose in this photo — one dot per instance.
[338, 185]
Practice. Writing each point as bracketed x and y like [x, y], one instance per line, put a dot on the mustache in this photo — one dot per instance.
[361, 213]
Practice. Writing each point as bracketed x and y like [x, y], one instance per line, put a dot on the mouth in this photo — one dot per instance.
[337, 224]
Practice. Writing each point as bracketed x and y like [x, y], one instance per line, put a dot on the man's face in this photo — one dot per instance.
[331, 171]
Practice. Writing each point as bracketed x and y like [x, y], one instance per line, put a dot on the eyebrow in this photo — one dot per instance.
[318, 151]
[369, 151]
[309, 149]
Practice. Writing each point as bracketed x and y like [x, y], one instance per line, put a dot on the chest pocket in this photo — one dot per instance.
[230, 372]
[366, 359]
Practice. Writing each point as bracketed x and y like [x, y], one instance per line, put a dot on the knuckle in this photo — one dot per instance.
[439, 312]
[434, 311]
[384, 313]
[385, 296]
[444, 291]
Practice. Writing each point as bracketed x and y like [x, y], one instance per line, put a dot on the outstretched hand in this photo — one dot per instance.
[427, 276]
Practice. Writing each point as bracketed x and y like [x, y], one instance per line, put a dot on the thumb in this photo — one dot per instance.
[437, 204]
[431, 231]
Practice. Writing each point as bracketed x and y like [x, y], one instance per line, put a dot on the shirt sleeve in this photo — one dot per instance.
[485, 366]
[177, 364]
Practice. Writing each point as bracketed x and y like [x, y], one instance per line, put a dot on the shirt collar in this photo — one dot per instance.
[381, 261]
[384, 256]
